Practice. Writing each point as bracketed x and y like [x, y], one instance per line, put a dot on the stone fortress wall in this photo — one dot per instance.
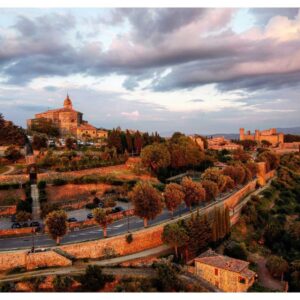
[269, 135]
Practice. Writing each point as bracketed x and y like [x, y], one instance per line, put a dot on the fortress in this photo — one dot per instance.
[69, 122]
[269, 135]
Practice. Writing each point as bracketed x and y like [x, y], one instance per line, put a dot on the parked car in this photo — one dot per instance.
[90, 216]
[71, 220]
[16, 225]
[101, 204]
[35, 224]
[117, 209]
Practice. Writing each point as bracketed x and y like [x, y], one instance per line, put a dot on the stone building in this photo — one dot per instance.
[226, 273]
[220, 143]
[269, 135]
[69, 121]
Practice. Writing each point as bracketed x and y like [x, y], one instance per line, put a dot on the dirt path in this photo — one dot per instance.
[264, 277]
[79, 267]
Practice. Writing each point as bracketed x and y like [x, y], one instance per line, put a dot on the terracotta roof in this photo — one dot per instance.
[63, 109]
[247, 273]
[86, 127]
[223, 262]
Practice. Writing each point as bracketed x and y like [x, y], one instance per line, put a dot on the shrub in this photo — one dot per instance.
[129, 238]
[42, 185]
[59, 181]
[62, 283]
[91, 206]
[93, 279]
[236, 250]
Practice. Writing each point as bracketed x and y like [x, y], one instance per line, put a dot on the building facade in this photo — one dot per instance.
[69, 122]
[226, 273]
[220, 143]
[269, 135]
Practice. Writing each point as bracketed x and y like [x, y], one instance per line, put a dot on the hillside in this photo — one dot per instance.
[269, 228]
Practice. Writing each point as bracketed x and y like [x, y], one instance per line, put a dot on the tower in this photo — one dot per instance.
[242, 134]
[68, 102]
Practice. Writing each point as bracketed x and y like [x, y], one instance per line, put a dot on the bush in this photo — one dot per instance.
[42, 185]
[129, 238]
[59, 181]
[236, 250]
[93, 279]
[62, 283]
[24, 206]
[91, 206]
[8, 186]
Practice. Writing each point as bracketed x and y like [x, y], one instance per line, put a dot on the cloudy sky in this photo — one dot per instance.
[196, 70]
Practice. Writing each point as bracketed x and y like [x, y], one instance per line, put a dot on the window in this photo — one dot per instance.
[242, 280]
[216, 272]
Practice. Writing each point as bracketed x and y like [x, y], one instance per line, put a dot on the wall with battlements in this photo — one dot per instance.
[269, 135]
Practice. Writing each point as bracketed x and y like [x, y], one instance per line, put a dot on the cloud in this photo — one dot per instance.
[196, 101]
[197, 46]
[134, 115]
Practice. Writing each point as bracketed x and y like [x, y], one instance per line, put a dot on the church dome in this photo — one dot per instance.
[68, 102]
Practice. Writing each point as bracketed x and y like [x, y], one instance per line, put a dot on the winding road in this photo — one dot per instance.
[92, 233]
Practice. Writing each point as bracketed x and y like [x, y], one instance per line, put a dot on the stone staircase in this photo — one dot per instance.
[64, 254]
[36, 209]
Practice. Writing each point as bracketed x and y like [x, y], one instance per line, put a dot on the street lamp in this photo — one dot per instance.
[128, 217]
[33, 233]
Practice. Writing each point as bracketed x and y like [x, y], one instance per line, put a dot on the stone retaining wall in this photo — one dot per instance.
[15, 232]
[142, 240]
[30, 261]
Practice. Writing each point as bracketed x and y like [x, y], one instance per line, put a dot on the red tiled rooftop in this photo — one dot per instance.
[223, 262]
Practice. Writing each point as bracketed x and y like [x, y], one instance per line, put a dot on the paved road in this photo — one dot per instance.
[92, 233]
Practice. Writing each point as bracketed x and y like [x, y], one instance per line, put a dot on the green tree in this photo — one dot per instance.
[39, 142]
[11, 134]
[199, 232]
[194, 193]
[62, 283]
[211, 189]
[184, 152]
[175, 235]
[23, 216]
[129, 141]
[102, 218]
[155, 156]
[216, 176]
[13, 154]
[56, 223]
[45, 126]
[147, 201]
[236, 250]
[70, 143]
[173, 196]
[277, 266]
[138, 142]
[93, 280]
[114, 140]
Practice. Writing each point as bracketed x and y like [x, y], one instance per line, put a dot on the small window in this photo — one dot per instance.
[216, 272]
[242, 280]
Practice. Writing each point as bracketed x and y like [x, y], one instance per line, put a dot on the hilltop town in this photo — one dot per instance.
[134, 211]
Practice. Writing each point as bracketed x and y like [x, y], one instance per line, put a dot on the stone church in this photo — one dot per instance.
[69, 121]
